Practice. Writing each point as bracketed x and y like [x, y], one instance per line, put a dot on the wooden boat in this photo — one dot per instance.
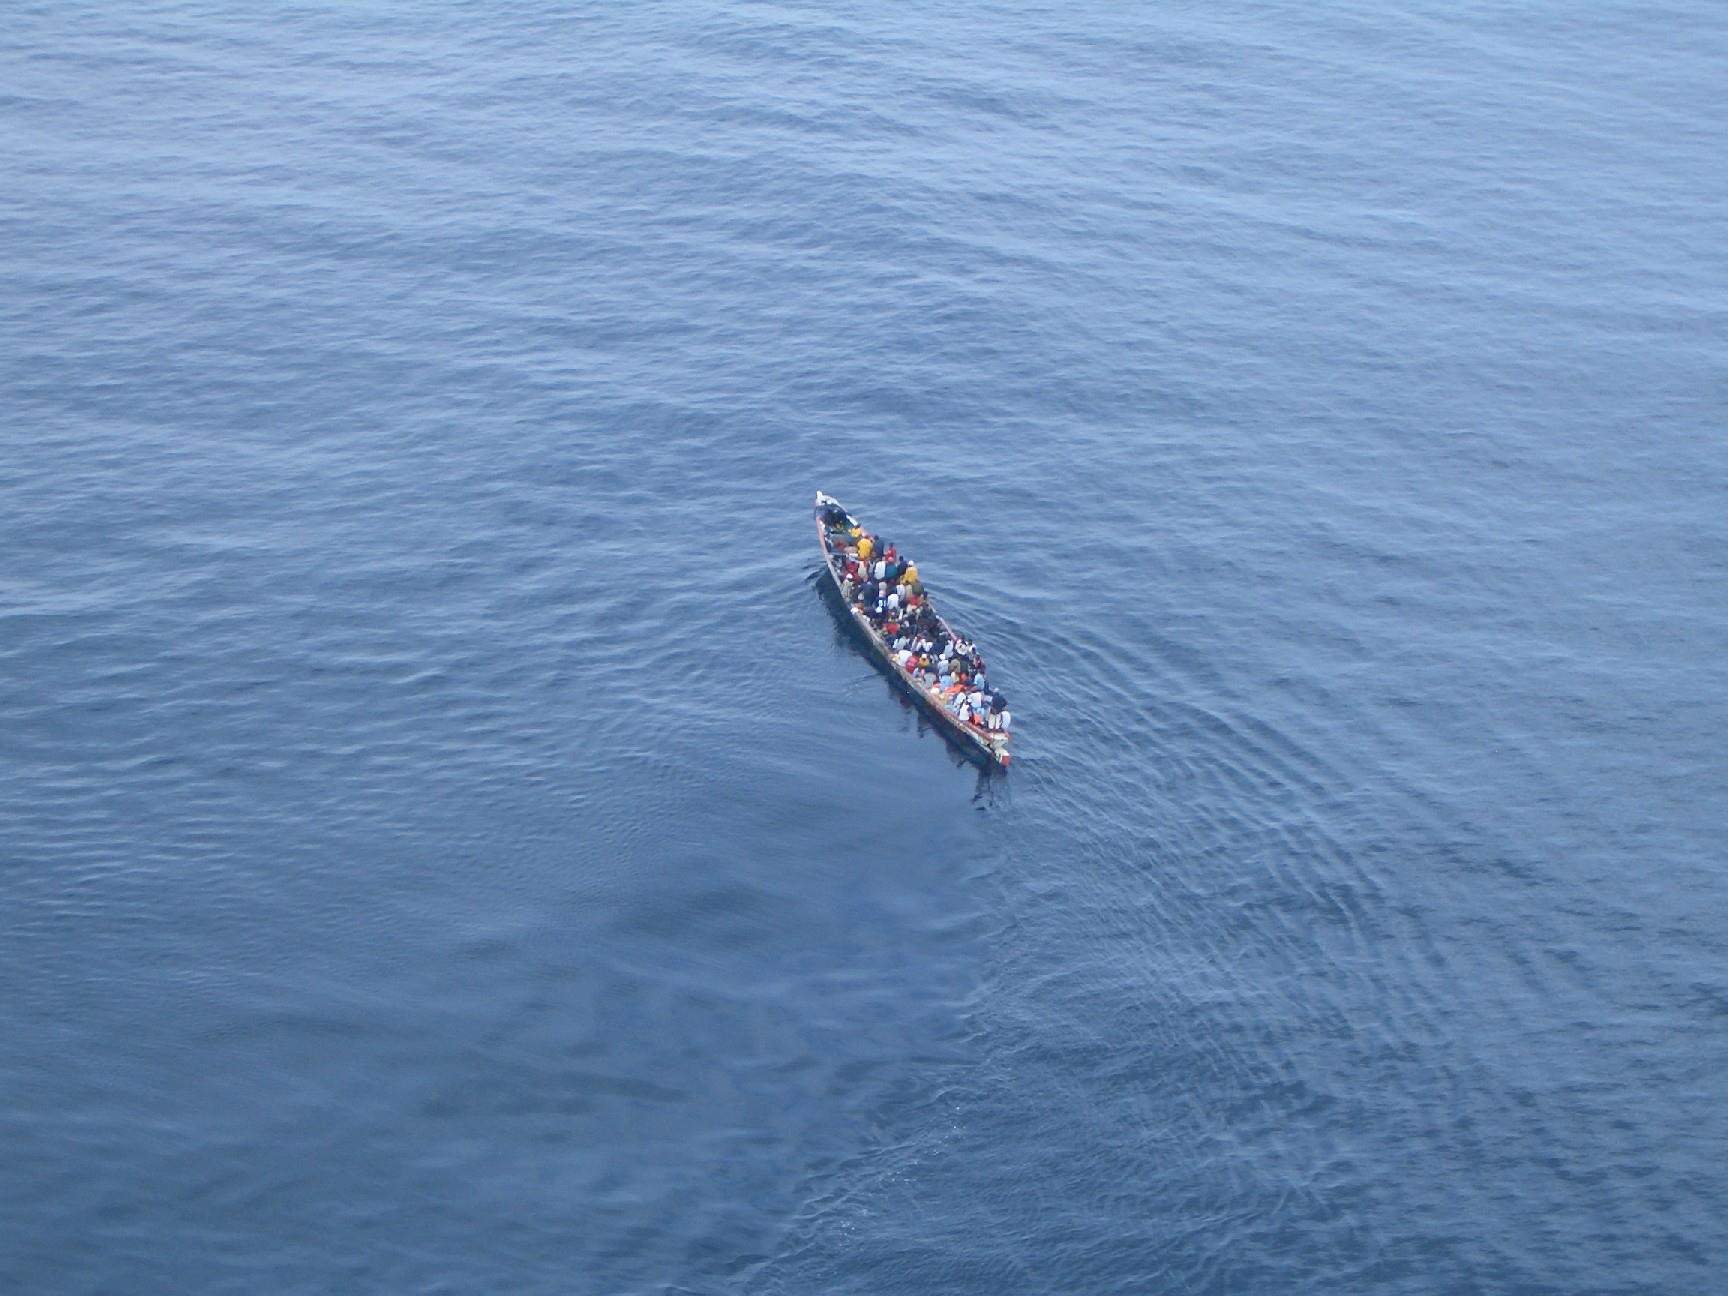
[987, 745]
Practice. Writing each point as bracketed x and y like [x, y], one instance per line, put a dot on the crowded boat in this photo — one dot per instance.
[881, 587]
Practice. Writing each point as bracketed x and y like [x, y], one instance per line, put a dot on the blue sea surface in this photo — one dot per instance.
[448, 845]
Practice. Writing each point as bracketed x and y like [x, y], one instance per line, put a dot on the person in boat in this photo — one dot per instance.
[865, 545]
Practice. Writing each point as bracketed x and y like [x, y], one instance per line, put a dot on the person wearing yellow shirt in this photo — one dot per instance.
[864, 547]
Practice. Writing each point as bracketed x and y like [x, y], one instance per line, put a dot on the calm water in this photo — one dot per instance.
[448, 846]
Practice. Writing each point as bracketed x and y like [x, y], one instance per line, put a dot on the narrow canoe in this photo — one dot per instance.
[981, 744]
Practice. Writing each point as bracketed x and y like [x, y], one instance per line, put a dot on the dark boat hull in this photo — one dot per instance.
[973, 743]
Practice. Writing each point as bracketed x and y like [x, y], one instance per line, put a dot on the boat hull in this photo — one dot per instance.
[974, 743]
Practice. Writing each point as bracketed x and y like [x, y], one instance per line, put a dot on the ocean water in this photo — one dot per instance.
[447, 845]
